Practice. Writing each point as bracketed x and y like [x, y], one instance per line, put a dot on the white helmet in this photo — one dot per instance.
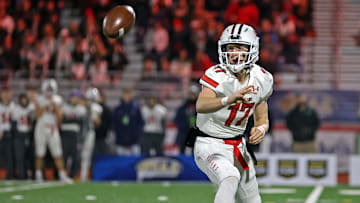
[239, 34]
[92, 94]
[49, 87]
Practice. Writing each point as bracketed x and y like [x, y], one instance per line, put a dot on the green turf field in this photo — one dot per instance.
[54, 192]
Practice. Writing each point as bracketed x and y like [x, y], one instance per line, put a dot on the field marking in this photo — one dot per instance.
[349, 192]
[90, 197]
[315, 194]
[31, 187]
[295, 200]
[17, 197]
[162, 198]
[277, 191]
[166, 184]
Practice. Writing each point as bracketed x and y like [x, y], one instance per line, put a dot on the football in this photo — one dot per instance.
[118, 21]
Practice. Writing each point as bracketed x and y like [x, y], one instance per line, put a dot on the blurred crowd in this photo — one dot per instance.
[175, 36]
[181, 36]
[38, 36]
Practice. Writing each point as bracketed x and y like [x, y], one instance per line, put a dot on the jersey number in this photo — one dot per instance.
[5, 118]
[24, 121]
[234, 109]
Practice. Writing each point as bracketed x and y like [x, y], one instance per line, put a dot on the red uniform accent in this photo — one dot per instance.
[219, 69]
[243, 107]
[237, 152]
[234, 109]
[209, 81]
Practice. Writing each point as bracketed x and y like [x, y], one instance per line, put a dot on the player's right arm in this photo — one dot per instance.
[207, 101]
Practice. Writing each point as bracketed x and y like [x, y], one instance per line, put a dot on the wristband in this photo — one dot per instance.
[261, 128]
[224, 101]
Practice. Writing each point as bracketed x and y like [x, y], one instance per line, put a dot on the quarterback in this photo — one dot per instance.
[231, 92]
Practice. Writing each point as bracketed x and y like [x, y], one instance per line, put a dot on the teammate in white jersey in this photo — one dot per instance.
[154, 129]
[22, 117]
[74, 113]
[49, 115]
[231, 92]
[6, 144]
[93, 119]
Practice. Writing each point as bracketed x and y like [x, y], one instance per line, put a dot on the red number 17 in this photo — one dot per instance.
[234, 109]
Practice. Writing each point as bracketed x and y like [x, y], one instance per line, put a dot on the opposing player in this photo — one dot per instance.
[232, 91]
[93, 119]
[49, 115]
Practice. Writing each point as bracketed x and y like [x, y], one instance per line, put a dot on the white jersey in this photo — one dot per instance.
[71, 117]
[154, 118]
[231, 120]
[5, 116]
[48, 117]
[23, 117]
[94, 111]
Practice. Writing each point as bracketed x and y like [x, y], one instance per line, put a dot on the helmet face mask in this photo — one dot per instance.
[241, 36]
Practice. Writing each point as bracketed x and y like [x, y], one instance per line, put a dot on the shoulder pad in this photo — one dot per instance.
[213, 76]
[265, 79]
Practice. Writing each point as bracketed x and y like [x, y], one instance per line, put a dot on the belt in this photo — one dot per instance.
[235, 141]
[201, 134]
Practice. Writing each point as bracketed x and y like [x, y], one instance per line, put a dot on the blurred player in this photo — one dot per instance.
[73, 115]
[49, 116]
[22, 117]
[232, 91]
[154, 129]
[6, 149]
[92, 120]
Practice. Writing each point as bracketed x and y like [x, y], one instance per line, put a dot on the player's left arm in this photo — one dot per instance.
[261, 123]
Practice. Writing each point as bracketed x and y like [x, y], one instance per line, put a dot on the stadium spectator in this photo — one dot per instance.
[98, 71]
[117, 58]
[242, 11]
[65, 47]
[201, 63]
[127, 122]
[10, 58]
[303, 122]
[158, 41]
[7, 22]
[39, 59]
[154, 115]
[181, 67]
